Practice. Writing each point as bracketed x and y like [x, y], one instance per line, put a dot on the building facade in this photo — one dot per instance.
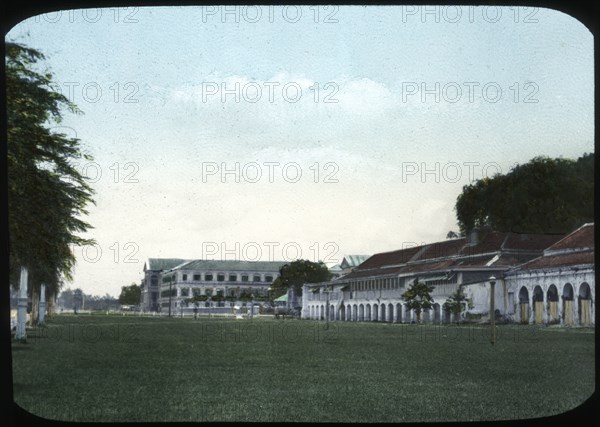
[348, 264]
[153, 268]
[559, 286]
[373, 290]
[211, 283]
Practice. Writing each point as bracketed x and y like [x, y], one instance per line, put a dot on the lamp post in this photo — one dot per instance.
[492, 280]
[327, 290]
[170, 293]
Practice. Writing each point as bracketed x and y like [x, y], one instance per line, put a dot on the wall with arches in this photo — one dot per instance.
[561, 296]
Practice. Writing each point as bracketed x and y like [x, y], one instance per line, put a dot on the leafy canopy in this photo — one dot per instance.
[544, 195]
[418, 297]
[297, 273]
[47, 196]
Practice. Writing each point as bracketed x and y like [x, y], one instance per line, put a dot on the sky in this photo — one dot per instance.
[314, 132]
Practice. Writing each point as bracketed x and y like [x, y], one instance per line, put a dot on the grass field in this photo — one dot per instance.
[110, 368]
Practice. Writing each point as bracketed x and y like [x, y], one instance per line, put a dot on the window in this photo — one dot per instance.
[232, 277]
[208, 277]
[196, 277]
[184, 277]
[244, 277]
[154, 280]
[220, 277]
[256, 278]
[196, 292]
[268, 279]
[185, 292]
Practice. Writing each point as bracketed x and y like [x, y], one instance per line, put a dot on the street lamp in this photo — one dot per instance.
[327, 291]
[492, 280]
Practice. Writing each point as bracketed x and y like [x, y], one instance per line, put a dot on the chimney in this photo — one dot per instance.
[474, 236]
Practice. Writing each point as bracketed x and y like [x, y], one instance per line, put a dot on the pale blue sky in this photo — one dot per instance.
[376, 60]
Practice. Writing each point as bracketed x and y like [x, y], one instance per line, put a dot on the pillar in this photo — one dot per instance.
[21, 333]
[42, 305]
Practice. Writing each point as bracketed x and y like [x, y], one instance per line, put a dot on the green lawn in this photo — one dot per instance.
[110, 368]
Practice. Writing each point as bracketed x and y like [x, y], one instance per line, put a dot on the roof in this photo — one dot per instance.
[576, 248]
[158, 264]
[282, 298]
[231, 265]
[560, 260]
[581, 238]
[353, 260]
[494, 250]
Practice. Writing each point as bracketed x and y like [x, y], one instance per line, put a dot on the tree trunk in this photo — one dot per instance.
[49, 305]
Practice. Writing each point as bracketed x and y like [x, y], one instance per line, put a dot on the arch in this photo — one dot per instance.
[552, 304]
[437, 317]
[398, 312]
[331, 312]
[342, 312]
[567, 302]
[382, 312]
[524, 304]
[538, 305]
[375, 313]
[368, 312]
[348, 313]
[585, 304]
[361, 313]
[390, 313]
[354, 312]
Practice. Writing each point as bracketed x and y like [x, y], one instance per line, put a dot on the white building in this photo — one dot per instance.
[559, 286]
[348, 264]
[153, 267]
[211, 283]
[373, 291]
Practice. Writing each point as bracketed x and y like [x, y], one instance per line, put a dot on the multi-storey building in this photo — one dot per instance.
[153, 268]
[218, 281]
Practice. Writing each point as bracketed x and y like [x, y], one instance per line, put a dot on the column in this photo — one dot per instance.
[561, 303]
[546, 315]
[42, 305]
[576, 305]
[21, 333]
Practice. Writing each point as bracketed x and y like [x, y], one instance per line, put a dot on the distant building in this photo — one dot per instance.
[228, 281]
[349, 263]
[153, 268]
[373, 290]
[559, 286]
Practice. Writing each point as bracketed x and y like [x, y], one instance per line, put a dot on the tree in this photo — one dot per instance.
[296, 274]
[418, 297]
[455, 303]
[452, 235]
[47, 196]
[542, 196]
[130, 295]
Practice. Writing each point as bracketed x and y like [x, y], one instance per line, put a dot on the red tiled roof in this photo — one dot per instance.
[401, 256]
[583, 237]
[560, 260]
[514, 249]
